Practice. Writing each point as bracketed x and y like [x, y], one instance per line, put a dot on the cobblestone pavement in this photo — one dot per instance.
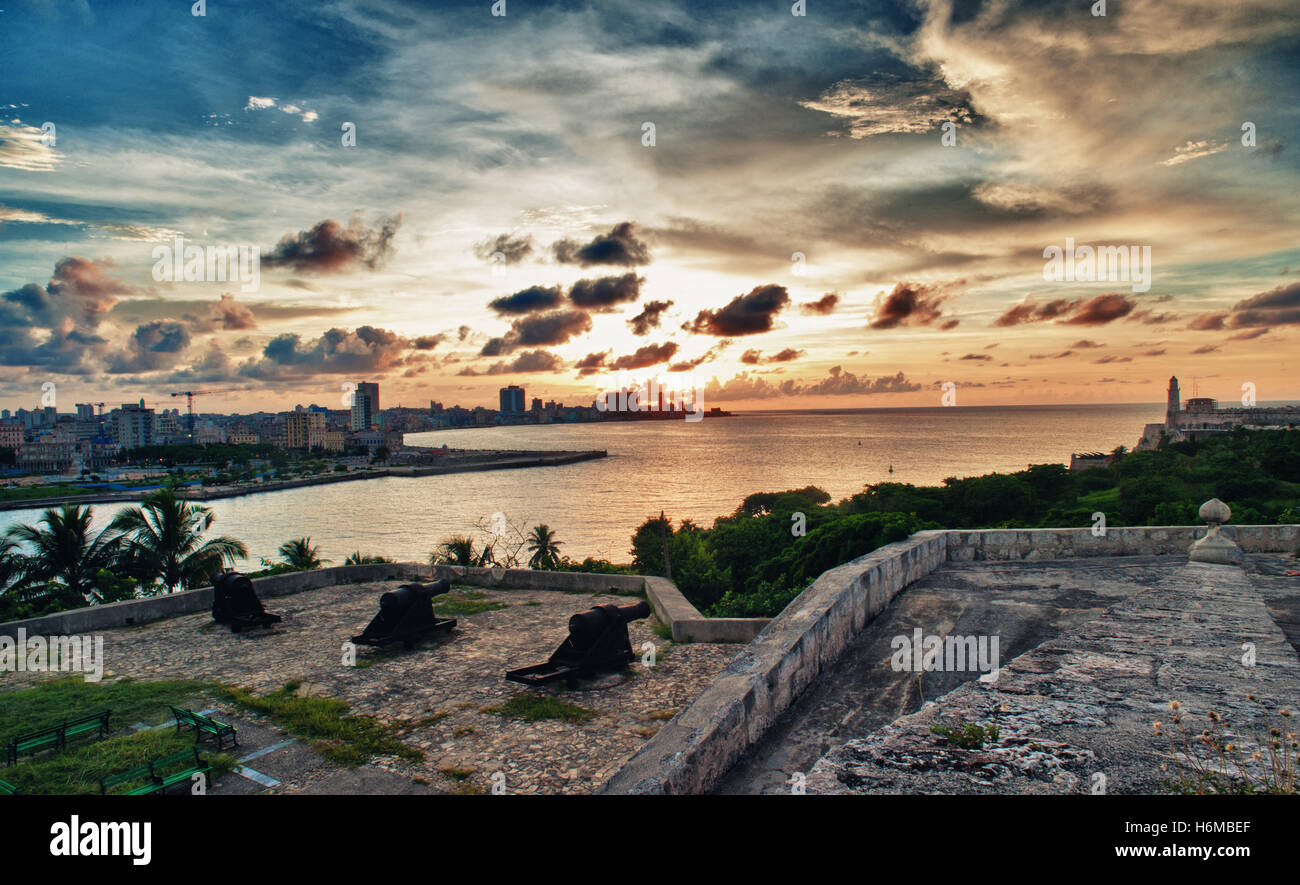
[438, 691]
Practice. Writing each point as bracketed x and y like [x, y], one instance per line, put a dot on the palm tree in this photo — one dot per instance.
[301, 555]
[544, 547]
[163, 541]
[457, 550]
[63, 553]
[359, 558]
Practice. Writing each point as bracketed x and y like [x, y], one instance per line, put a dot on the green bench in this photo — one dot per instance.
[158, 775]
[205, 726]
[7, 789]
[56, 736]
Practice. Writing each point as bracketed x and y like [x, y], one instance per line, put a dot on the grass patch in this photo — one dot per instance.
[52, 701]
[972, 737]
[464, 603]
[660, 629]
[532, 707]
[78, 770]
[456, 774]
[346, 739]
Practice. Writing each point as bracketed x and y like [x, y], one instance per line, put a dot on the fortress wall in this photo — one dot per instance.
[693, 751]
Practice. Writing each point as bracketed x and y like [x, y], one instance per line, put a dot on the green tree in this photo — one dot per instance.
[544, 547]
[63, 559]
[162, 540]
[456, 550]
[300, 555]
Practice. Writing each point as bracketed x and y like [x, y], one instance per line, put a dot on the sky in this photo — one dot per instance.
[868, 204]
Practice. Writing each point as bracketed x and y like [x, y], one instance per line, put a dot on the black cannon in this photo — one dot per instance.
[597, 643]
[406, 614]
[235, 603]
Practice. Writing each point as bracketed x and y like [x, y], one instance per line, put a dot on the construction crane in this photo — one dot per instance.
[189, 400]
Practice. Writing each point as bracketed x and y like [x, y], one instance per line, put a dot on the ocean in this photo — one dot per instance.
[695, 470]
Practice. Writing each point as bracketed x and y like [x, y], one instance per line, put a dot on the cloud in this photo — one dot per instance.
[527, 362]
[329, 247]
[909, 304]
[823, 306]
[1277, 307]
[619, 246]
[1193, 150]
[747, 314]
[644, 357]
[754, 357]
[233, 315]
[707, 357]
[1096, 311]
[367, 350]
[511, 248]
[24, 148]
[976, 356]
[838, 382]
[649, 317]
[153, 346]
[530, 300]
[592, 363]
[604, 293]
[885, 105]
[539, 330]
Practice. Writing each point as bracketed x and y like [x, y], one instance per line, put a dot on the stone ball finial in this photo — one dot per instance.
[1215, 512]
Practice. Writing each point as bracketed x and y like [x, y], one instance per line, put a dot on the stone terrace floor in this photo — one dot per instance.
[1092, 650]
[443, 684]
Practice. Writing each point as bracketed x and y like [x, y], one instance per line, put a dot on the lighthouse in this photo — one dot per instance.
[1173, 406]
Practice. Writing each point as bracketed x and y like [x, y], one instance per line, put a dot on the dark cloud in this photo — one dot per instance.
[233, 315]
[822, 306]
[1248, 335]
[1208, 322]
[530, 300]
[511, 248]
[539, 330]
[80, 292]
[620, 246]
[1206, 348]
[910, 304]
[976, 356]
[754, 357]
[592, 363]
[1096, 311]
[1277, 307]
[153, 346]
[366, 350]
[1086, 344]
[1111, 358]
[1100, 310]
[604, 293]
[747, 314]
[644, 357]
[528, 361]
[329, 247]
[649, 317]
[428, 342]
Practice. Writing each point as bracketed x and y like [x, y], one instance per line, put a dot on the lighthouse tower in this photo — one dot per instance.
[1173, 406]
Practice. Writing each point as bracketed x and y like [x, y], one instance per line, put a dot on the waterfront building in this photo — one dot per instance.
[1203, 417]
[365, 406]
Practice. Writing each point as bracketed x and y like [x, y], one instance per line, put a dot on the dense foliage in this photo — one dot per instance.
[753, 562]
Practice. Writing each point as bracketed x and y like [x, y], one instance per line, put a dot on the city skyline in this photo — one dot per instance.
[865, 209]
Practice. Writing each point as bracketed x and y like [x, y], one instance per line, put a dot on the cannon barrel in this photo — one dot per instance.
[396, 601]
[586, 626]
